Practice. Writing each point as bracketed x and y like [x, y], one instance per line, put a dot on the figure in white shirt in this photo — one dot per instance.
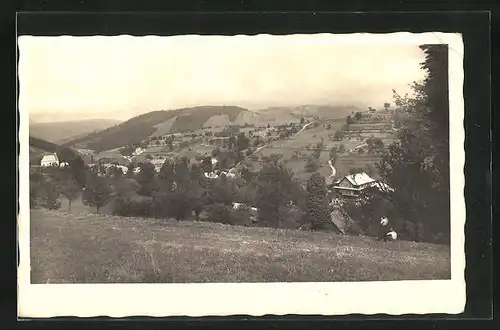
[382, 231]
[391, 235]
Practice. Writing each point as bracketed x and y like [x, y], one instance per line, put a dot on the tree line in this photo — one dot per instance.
[272, 197]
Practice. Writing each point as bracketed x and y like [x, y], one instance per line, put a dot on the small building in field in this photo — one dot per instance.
[158, 163]
[50, 160]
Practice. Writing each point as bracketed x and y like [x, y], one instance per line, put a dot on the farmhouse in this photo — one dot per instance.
[352, 185]
[158, 163]
[50, 160]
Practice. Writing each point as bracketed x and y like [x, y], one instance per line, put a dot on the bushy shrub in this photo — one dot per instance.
[44, 192]
[295, 219]
[367, 211]
[134, 207]
[312, 165]
[409, 231]
[222, 213]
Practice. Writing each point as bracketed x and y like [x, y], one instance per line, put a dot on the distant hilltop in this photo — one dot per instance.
[164, 122]
[64, 131]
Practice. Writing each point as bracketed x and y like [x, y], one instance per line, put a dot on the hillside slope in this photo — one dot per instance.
[60, 132]
[39, 147]
[326, 111]
[141, 127]
[128, 250]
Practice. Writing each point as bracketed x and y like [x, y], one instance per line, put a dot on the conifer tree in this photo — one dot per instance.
[317, 204]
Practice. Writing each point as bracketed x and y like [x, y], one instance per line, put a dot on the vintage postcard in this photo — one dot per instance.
[220, 175]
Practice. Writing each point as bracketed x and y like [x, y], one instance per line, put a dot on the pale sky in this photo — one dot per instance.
[66, 78]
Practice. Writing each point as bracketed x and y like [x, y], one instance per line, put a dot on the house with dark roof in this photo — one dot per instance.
[352, 185]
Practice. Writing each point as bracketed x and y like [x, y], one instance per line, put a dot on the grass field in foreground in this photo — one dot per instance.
[92, 248]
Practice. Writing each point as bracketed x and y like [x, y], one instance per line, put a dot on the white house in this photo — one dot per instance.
[211, 175]
[138, 151]
[158, 163]
[50, 160]
[351, 185]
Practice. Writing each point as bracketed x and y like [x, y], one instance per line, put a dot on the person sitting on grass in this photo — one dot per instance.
[391, 235]
[383, 227]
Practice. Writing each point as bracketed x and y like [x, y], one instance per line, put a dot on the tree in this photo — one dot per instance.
[35, 180]
[77, 168]
[231, 142]
[318, 149]
[44, 191]
[357, 115]
[246, 175]
[374, 144]
[369, 169]
[420, 158]
[115, 172]
[66, 155]
[206, 164]
[242, 141]
[146, 178]
[170, 143]
[349, 120]
[302, 120]
[386, 106]
[338, 135]
[312, 164]
[130, 169]
[69, 187]
[220, 213]
[216, 152]
[222, 192]
[317, 204]
[97, 191]
[333, 155]
[172, 196]
[275, 188]
[127, 150]
[124, 188]
[378, 144]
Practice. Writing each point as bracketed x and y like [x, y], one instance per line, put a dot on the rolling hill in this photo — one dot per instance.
[326, 111]
[143, 126]
[60, 132]
[39, 147]
[163, 122]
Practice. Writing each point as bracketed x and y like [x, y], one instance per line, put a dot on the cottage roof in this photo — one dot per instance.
[359, 179]
[50, 158]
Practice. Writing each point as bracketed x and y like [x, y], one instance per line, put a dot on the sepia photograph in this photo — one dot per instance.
[242, 161]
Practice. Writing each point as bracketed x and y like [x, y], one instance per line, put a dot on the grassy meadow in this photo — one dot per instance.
[84, 247]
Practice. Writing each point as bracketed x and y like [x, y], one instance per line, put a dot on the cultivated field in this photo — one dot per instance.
[91, 248]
